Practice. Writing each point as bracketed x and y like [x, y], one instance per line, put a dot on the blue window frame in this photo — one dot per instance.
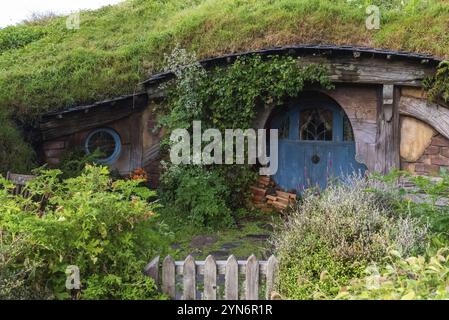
[107, 141]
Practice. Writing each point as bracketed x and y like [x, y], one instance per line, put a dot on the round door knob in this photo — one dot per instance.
[315, 159]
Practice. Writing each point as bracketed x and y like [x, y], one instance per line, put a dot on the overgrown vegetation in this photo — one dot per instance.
[46, 66]
[403, 279]
[438, 85]
[331, 237]
[333, 250]
[106, 228]
[223, 98]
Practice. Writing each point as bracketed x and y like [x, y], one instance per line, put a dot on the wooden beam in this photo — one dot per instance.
[387, 139]
[66, 123]
[435, 115]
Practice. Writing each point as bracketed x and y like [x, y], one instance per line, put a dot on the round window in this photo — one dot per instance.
[106, 142]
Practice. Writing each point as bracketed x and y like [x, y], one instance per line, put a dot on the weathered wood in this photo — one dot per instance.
[54, 126]
[168, 277]
[372, 71]
[20, 181]
[253, 269]
[435, 115]
[152, 270]
[210, 279]
[189, 275]
[252, 279]
[136, 137]
[272, 266]
[387, 140]
[150, 154]
[231, 279]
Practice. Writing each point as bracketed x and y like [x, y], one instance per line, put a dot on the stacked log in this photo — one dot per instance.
[281, 200]
[267, 197]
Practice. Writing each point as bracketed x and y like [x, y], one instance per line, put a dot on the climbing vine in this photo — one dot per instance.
[227, 98]
[437, 86]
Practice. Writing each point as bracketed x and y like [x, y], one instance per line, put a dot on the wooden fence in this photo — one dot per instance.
[19, 181]
[191, 270]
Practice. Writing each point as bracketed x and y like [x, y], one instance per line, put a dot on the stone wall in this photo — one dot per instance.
[434, 158]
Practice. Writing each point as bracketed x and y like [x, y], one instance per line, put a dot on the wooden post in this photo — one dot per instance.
[252, 278]
[210, 279]
[272, 266]
[168, 277]
[189, 274]
[232, 279]
[387, 140]
[152, 270]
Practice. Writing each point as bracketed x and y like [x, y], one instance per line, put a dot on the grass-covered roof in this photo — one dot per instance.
[44, 66]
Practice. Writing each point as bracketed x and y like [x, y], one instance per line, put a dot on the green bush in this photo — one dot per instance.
[196, 195]
[403, 278]
[105, 228]
[331, 237]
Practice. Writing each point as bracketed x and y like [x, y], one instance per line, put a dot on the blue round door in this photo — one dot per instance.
[316, 144]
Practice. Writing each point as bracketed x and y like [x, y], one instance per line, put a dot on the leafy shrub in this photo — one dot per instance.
[105, 228]
[331, 237]
[196, 195]
[403, 278]
[74, 161]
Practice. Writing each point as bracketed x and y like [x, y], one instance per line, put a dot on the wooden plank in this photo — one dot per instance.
[372, 71]
[53, 126]
[231, 279]
[168, 277]
[387, 139]
[152, 270]
[136, 137]
[189, 278]
[252, 278]
[210, 279]
[435, 115]
[272, 269]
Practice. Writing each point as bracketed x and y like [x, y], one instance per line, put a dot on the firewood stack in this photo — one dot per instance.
[267, 197]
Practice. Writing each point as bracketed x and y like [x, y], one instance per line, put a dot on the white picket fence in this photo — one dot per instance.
[253, 270]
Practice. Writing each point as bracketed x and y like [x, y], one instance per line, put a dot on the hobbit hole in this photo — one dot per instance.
[376, 118]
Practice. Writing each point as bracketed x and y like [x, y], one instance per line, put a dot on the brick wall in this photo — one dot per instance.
[435, 157]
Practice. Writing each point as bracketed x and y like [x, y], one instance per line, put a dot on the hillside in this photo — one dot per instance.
[45, 66]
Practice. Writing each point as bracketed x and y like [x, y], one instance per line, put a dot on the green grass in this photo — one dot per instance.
[44, 66]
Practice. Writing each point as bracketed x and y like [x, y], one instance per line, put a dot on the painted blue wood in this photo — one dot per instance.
[296, 170]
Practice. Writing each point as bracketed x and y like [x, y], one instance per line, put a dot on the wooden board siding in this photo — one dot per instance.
[129, 130]
[69, 122]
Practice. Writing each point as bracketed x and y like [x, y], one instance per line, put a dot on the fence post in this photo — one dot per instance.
[189, 278]
[210, 279]
[272, 266]
[152, 270]
[232, 279]
[252, 278]
[168, 277]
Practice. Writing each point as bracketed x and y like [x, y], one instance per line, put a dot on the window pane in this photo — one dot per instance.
[102, 141]
[315, 124]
